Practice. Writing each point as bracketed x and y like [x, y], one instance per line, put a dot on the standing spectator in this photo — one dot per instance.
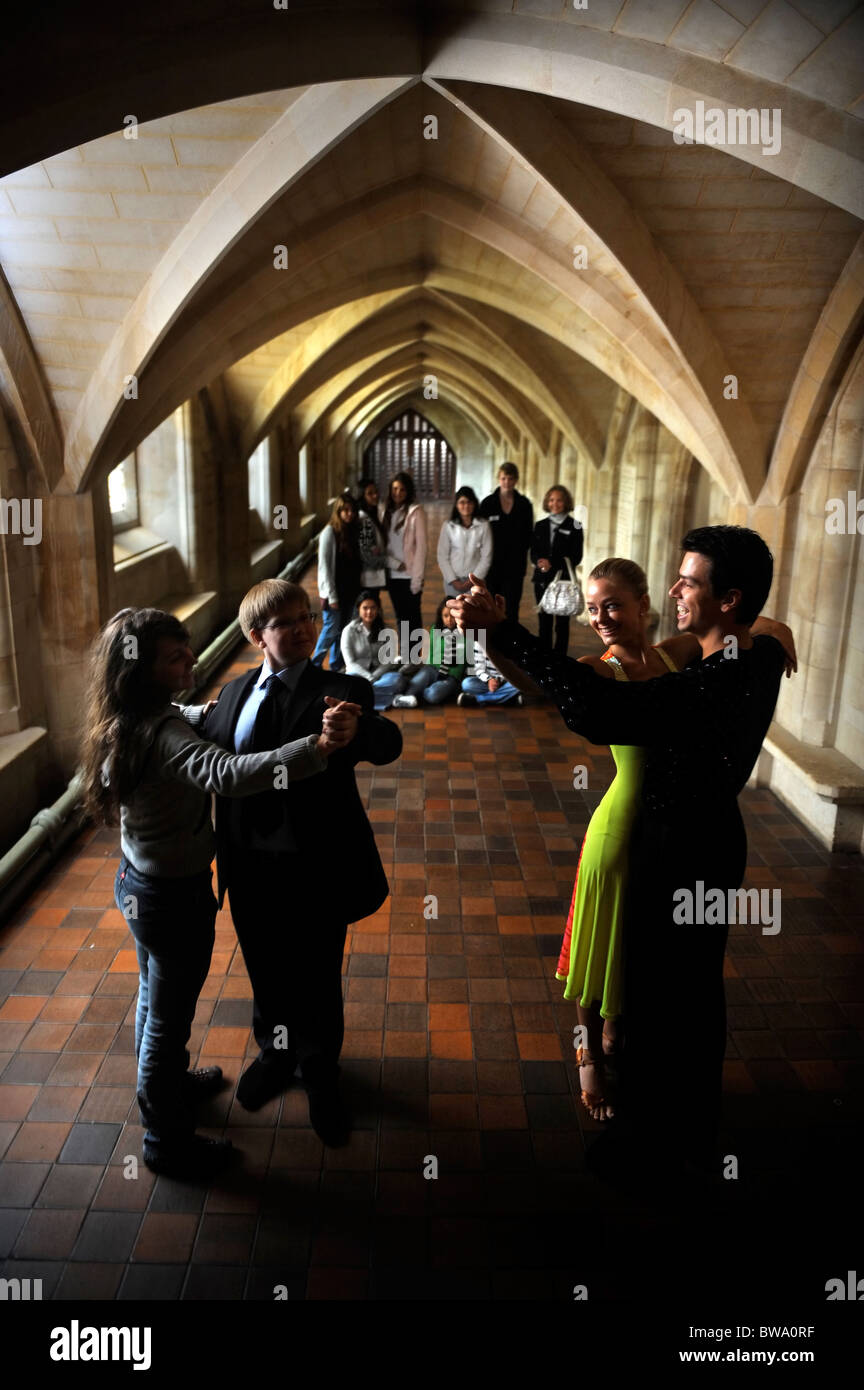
[339, 567]
[404, 523]
[557, 539]
[487, 686]
[512, 518]
[464, 545]
[373, 545]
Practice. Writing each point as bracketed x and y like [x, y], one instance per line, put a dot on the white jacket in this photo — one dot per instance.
[464, 550]
[327, 564]
[414, 543]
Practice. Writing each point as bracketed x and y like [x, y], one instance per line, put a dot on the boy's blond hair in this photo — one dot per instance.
[264, 601]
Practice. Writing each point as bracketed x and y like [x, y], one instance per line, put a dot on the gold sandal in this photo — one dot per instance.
[590, 1099]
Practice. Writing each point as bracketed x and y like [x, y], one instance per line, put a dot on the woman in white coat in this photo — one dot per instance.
[464, 545]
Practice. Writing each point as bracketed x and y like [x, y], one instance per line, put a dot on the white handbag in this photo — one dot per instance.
[563, 597]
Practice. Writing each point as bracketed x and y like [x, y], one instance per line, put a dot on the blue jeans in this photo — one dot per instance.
[331, 631]
[431, 688]
[472, 685]
[387, 687]
[173, 923]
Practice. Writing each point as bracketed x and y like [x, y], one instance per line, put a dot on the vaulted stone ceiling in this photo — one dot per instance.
[154, 257]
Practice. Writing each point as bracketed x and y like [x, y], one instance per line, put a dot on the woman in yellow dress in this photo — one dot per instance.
[591, 954]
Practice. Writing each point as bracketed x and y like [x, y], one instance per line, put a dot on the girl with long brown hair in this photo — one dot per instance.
[144, 766]
[340, 566]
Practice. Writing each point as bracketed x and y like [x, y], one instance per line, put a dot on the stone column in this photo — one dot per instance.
[75, 562]
[227, 524]
[674, 465]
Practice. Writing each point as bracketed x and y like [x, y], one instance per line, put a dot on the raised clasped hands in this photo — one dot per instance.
[338, 726]
[477, 609]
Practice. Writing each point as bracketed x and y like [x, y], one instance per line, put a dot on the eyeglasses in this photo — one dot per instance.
[289, 624]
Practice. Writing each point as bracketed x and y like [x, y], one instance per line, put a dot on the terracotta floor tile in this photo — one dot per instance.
[362, 1043]
[451, 1044]
[512, 926]
[398, 1044]
[408, 966]
[23, 1008]
[37, 1142]
[15, 1101]
[64, 1008]
[406, 991]
[79, 982]
[539, 1047]
[444, 1017]
[48, 1037]
[47, 917]
[125, 962]
[227, 1042]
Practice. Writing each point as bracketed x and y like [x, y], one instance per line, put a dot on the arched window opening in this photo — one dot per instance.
[411, 443]
[123, 494]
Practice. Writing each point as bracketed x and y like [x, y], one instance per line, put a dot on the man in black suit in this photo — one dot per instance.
[298, 868]
[512, 519]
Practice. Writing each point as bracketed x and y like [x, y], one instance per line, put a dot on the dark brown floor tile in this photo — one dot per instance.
[94, 1281]
[70, 1185]
[58, 1103]
[225, 1240]
[49, 1235]
[166, 1238]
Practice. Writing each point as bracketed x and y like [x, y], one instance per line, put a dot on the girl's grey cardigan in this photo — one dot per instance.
[165, 826]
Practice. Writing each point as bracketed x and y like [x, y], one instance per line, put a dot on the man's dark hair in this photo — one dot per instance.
[740, 559]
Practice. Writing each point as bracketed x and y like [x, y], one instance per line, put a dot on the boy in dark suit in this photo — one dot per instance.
[297, 869]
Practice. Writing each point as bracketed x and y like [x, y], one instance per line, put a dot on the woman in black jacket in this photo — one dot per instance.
[556, 539]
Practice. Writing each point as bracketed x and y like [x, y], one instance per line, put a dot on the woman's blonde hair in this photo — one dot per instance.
[627, 571]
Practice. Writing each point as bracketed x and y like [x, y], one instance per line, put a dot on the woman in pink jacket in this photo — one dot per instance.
[404, 525]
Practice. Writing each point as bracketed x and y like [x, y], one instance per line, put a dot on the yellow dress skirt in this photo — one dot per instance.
[591, 953]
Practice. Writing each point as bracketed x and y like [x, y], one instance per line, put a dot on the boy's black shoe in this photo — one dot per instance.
[261, 1081]
[466, 699]
[195, 1157]
[202, 1083]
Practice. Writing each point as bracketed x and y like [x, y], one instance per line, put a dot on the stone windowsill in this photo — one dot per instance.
[828, 773]
[18, 745]
[185, 606]
[267, 548]
[132, 545]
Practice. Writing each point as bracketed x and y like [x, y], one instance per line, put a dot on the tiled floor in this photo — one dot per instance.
[458, 1046]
